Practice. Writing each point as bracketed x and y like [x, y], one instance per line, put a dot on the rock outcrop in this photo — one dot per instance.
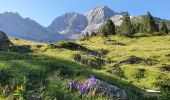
[4, 39]
[136, 60]
[113, 92]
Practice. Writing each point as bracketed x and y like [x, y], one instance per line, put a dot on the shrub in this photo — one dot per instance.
[103, 51]
[119, 72]
[6, 76]
[163, 29]
[164, 84]
[140, 73]
[36, 79]
[165, 67]
[77, 57]
[95, 62]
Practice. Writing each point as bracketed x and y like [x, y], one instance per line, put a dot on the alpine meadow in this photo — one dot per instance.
[99, 55]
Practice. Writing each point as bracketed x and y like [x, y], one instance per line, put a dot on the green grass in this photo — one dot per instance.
[51, 60]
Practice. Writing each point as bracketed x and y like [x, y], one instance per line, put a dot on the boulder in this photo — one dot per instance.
[4, 39]
[21, 49]
[34, 96]
[107, 90]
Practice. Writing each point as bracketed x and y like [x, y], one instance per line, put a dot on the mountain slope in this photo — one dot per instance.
[97, 16]
[68, 26]
[69, 23]
[16, 26]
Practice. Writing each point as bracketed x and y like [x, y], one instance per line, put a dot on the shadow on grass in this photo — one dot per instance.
[23, 64]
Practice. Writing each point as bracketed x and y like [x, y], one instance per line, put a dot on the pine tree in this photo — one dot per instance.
[87, 34]
[126, 27]
[137, 27]
[149, 24]
[163, 29]
[108, 28]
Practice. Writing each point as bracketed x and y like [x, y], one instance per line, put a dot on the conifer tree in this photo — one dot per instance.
[126, 27]
[108, 28]
[163, 29]
[87, 34]
[149, 24]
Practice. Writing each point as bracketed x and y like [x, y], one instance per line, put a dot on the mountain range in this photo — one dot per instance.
[68, 26]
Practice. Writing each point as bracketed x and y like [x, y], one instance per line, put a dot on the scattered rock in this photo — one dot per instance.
[114, 42]
[39, 46]
[161, 49]
[93, 62]
[34, 96]
[74, 46]
[153, 92]
[6, 91]
[91, 52]
[167, 55]
[106, 90]
[136, 60]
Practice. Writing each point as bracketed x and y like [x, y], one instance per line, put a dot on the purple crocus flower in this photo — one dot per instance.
[78, 85]
[70, 83]
[91, 82]
[84, 89]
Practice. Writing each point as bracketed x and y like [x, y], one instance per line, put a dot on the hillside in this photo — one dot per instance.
[133, 64]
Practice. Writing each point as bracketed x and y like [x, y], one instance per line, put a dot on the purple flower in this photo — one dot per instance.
[70, 83]
[84, 89]
[91, 82]
[78, 85]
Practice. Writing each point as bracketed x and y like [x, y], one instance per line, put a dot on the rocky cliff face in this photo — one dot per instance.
[97, 16]
[69, 23]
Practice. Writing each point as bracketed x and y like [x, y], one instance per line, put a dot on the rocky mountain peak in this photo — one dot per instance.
[69, 23]
[99, 14]
[96, 18]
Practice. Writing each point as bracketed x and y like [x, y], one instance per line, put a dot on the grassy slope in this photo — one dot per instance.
[147, 47]
[51, 60]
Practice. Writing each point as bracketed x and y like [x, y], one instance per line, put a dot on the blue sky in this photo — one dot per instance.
[44, 11]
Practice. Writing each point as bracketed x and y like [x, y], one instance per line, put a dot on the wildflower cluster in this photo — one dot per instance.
[83, 88]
